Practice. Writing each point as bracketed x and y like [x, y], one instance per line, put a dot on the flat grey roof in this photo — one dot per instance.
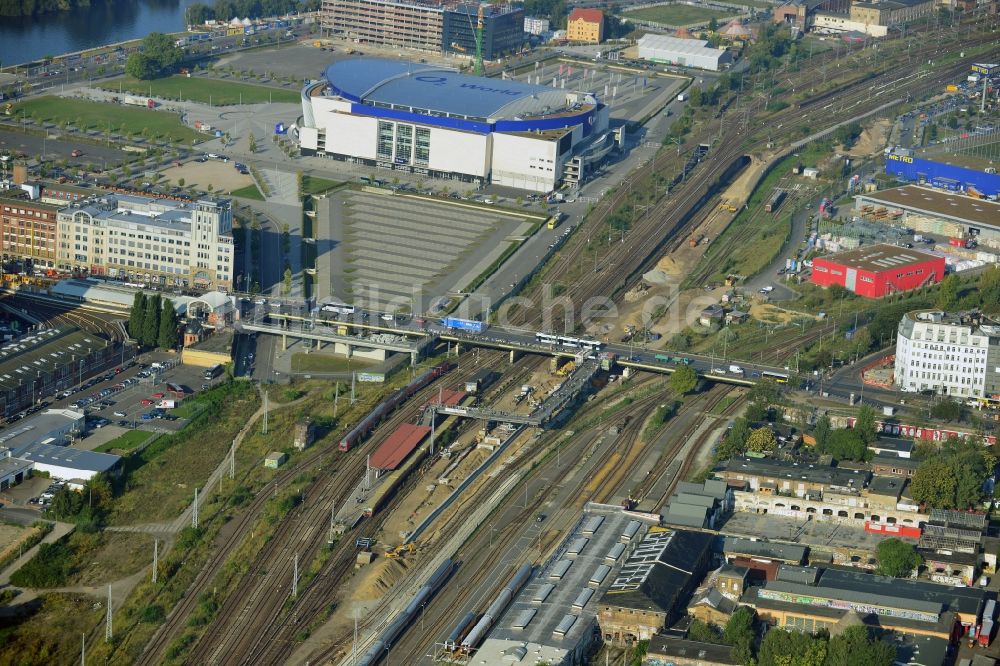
[880, 257]
[946, 205]
[10, 466]
[38, 427]
[558, 601]
[66, 456]
[824, 474]
[781, 551]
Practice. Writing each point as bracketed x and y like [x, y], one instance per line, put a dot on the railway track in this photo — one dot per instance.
[480, 554]
[258, 621]
[55, 317]
[335, 466]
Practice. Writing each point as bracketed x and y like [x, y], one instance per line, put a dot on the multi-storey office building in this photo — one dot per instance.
[28, 231]
[143, 239]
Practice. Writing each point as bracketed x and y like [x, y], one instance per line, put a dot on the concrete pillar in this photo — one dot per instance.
[413, 358]
[349, 351]
[514, 355]
[284, 342]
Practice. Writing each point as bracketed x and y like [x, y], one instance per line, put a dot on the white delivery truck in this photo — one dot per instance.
[736, 370]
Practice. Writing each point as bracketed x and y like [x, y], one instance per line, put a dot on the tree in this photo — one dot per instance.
[756, 412]
[865, 425]
[167, 337]
[822, 431]
[253, 143]
[151, 321]
[158, 56]
[703, 632]
[761, 440]
[934, 484]
[897, 558]
[855, 646]
[740, 625]
[713, 25]
[734, 444]
[989, 290]
[791, 648]
[140, 66]
[684, 379]
[845, 444]
[946, 410]
[952, 477]
[135, 316]
[948, 292]
[180, 182]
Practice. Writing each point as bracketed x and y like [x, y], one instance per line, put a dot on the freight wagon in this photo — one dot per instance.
[775, 201]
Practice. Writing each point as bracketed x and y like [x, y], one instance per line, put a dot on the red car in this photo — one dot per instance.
[145, 401]
[157, 395]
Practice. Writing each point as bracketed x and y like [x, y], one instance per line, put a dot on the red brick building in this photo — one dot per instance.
[28, 230]
[875, 271]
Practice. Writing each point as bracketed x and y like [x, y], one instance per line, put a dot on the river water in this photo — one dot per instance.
[29, 38]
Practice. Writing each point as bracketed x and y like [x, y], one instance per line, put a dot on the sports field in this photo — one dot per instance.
[203, 90]
[677, 14]
[103, 117]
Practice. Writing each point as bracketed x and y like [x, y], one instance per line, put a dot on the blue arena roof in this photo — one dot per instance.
[437, 90]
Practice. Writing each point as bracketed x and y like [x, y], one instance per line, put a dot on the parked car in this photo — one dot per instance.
[145, 401]
[120, 413]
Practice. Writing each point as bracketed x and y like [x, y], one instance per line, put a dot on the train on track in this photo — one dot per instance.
[381, 646]
[475, 635]
[359, 432]
[567, 341]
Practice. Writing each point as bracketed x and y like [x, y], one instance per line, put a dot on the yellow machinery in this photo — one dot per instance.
[725, 205]
[399, 551]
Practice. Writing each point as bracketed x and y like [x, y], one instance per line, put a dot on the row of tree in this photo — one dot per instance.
[224, 10]
[779, 647]
[152, 321]
[951, 476]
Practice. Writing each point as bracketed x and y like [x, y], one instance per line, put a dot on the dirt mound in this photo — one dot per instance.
[379, 578]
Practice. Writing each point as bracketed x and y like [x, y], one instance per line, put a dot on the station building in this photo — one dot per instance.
[953, 354]
[425, 119]
[874, 271]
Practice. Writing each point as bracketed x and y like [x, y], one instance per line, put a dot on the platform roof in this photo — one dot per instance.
[398, 445]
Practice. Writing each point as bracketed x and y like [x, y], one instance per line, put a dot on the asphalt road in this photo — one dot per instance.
[58, 149]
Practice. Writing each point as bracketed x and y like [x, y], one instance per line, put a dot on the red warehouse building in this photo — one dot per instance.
[874, 271]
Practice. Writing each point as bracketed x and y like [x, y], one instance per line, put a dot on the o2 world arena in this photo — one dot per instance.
[426, 119]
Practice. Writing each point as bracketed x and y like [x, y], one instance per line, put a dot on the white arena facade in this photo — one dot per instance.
[425, 119]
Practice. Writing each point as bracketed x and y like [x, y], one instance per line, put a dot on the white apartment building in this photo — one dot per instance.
[536, 26]
[150, 240]
[956, 355]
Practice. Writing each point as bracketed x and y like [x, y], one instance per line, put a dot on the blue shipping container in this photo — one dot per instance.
[463, 324]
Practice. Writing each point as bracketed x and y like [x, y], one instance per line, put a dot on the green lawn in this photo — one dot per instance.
[676, 14]
[206, 91]
[249, 192]
[101, 116]
[315, 185]
[126, 442]
[325, 363]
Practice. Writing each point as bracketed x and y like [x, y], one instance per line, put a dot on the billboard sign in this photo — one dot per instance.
[371, 377]
[463, 324]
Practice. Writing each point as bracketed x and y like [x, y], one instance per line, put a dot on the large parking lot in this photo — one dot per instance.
[392, 247]
[119, 401]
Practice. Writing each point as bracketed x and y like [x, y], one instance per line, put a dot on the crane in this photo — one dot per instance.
[479, 40]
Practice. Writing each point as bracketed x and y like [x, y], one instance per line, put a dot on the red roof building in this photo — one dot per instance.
[585, 26]
[874, 271]
[398, 445]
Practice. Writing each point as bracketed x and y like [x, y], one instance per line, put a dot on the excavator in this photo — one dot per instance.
[399, 551]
